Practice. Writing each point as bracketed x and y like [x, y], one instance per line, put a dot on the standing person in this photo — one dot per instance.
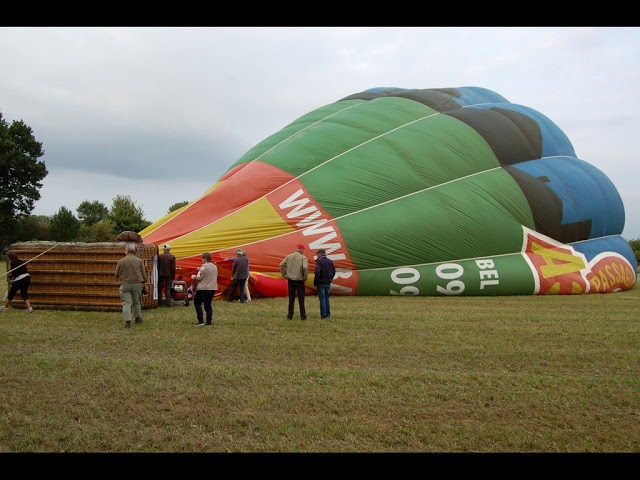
[166, 274]
[239, 275]
[20, 281]
[131, 277]
[295, 268]
[207, 284]
[324, 273]
[247, 293]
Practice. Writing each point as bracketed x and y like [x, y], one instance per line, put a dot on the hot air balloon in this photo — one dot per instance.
[441, 191]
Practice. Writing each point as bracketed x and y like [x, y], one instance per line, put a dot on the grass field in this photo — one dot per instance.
[384, 374]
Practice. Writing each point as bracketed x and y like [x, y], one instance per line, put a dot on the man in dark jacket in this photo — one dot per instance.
[239, 275]
[324, 273]
[166, 274]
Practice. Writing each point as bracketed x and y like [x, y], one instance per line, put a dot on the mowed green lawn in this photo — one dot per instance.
[384, 374]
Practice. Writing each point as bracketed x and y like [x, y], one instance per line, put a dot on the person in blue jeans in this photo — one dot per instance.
[207, 284]
[295, 269]
[324, 273]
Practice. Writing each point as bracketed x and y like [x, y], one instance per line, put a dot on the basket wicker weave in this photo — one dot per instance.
[79, 276]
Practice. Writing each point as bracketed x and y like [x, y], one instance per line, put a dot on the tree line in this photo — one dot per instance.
[94, 222]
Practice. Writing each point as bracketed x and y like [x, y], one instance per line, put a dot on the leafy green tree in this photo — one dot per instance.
[177, 206]
[34, 227]
[20, 176]
[102, 231]
[635, 246]
[90, 213]
[126, 215]
[10, 231]
[64, 226]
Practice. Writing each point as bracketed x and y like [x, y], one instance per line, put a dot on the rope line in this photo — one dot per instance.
[32, 259]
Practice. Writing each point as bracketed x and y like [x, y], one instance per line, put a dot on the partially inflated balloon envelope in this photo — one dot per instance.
[440, 191]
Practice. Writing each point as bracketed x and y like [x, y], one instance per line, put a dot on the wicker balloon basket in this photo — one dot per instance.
[80, 276]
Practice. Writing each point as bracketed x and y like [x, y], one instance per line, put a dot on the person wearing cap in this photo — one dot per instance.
[166, 274]
[324, 273]
[131, 278]
[295, 269]
[247, 292]
[239, 275]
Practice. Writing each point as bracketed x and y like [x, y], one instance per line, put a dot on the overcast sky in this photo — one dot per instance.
[159, 114]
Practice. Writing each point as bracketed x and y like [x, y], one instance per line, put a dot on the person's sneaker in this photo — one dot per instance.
[303, 318]
[127, 324]
[3, 308]
[208, 324]
[138, 320]
[199, 324]
[30, 309]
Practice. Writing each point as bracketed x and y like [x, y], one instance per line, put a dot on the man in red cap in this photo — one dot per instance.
[295, 268]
